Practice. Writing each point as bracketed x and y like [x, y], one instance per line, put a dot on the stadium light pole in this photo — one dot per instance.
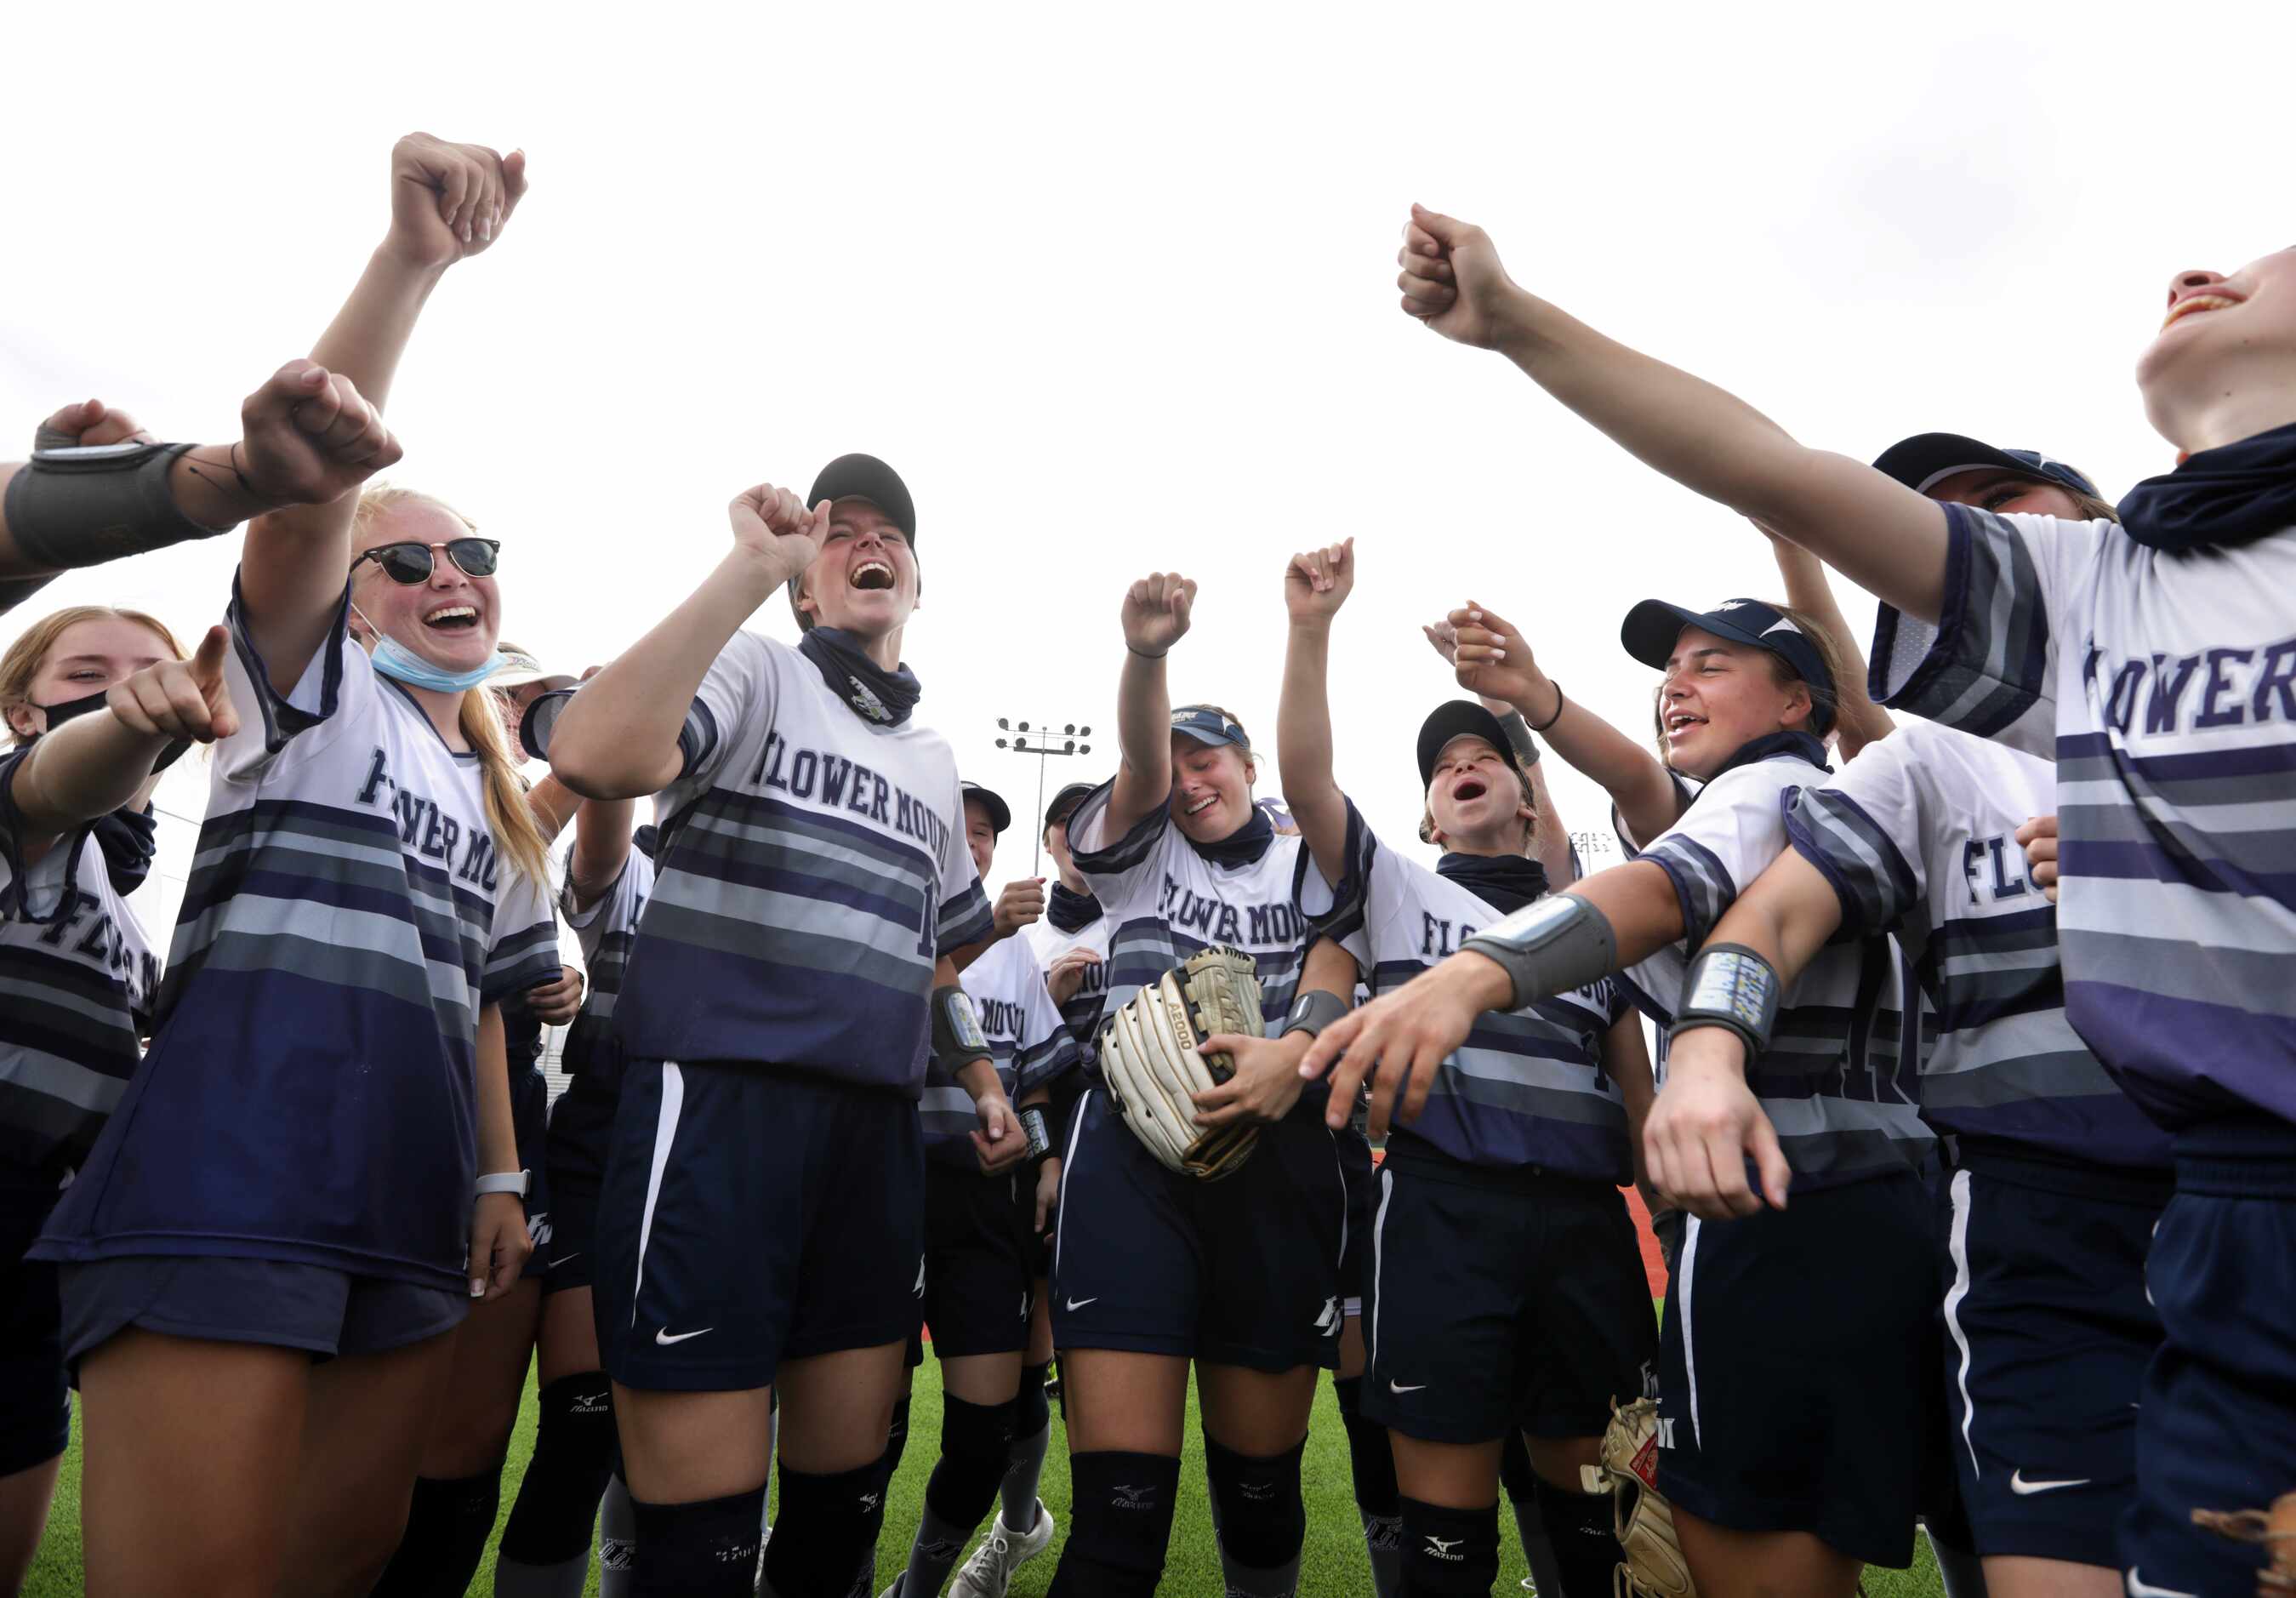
[1039, 739]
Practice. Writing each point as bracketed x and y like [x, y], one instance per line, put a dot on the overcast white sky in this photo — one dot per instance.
[1114, 289]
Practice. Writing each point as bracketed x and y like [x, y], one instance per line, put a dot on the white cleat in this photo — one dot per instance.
[989, 1571]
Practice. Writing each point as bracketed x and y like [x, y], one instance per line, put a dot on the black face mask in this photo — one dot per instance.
[872, 692]
[1505, 882]
[72, 710]
[1242, 847]
[1071, 912]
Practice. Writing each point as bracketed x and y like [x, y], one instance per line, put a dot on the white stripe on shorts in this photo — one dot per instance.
[1958, 1245]
[1067, 1169]
[1378, 1259]
[665, 1133]
[1682, 1292]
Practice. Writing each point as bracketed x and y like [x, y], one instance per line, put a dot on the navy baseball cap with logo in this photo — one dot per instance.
[1459, 719]
[1926, 459]
[1652, 627]
[860, 477]
[1064, 803]
[1209, 724]
[1000, 814]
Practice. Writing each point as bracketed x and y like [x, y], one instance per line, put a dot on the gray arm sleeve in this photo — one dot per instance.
[1550, 947]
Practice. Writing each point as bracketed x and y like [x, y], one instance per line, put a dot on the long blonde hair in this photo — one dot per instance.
[33, 646]
[515, 830]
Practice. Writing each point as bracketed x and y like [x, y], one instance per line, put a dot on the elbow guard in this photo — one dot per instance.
[84, 506]
[1550, 947]
[957, 1036]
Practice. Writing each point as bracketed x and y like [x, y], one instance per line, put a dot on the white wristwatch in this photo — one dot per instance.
[505, 1181]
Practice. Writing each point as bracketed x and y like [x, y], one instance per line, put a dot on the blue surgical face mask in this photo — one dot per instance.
[393, 659]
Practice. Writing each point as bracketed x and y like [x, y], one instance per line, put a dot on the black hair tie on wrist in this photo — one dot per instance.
[1557, 716]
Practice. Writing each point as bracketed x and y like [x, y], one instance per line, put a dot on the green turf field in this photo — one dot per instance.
[1334, 1566]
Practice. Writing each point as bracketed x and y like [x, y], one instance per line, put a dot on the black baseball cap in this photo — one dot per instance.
[860, 477]
[1209, 724]
[1459, 719]
[1000, 814]
[1064, 803]
[1651, 628]
[1928, 458]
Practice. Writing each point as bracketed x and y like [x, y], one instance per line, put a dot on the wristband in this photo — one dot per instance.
[1312, 1011]
[1548, 947]
[503, 1182]
[1557, 716]
[90, 503]
[956, 1037]
[1733, 987]
[1040, 1139]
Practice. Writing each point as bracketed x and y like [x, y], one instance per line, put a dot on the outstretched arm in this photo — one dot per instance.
[95, 765]
[447, 202]
[1315, 584]
[1707, 1123]
[1885, 537]
[1156, 611]
[101, 488]
[1493, 659]
[1399, 1039]
[618, 738]
[1857, 720]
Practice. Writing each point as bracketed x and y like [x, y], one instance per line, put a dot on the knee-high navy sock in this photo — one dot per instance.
[545, 1546]
[1121, 1522]
[1579, 1528]
[1449, 1553]
[975, 1451]
[706, 1550]
[1378, 1502]
[1522, 1488]
[448, 1525]
[1031, 1424]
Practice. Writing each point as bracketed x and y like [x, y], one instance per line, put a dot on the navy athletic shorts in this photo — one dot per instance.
[752, 1215]
[529, 1117]
[2218, 1427]
[1363, 1205]
[978, 1254]
[1244, 1271]
[1502, 1300]
[2047, 1335]
[35, 1395]
[1797, 1362]
[574, 1152]
[279, 1303]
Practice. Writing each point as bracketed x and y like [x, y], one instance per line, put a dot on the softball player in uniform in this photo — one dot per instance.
[813, 880]
[545, 1545]
[79, 977]
[1152, 1269]
[1752, 1328]
[1507, 1292]
[979, 1235]
[2153, 661]
[292, 1171]
[2057, 1179]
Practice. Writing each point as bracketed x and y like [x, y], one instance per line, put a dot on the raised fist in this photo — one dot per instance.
[449, 201]
[87, 425]
[1318, 582]
[772, 526]
[1156, 612]
[308, 438]
[1452, 279]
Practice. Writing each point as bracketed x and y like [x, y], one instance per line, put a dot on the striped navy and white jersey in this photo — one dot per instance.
[1918, 837]
[1081, 1013]
[2164, 685]
[308, 1093]
[1835, 1082]
[605, 931]
[812, 868]
[77, 978]
[1165, 902]
[1030, 1045]
[1528, 1087]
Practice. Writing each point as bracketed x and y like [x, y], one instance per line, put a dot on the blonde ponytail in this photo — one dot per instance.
[516, 832]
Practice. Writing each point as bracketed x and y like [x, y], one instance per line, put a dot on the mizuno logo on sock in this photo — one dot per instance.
[1443, 1548]
[1136, 1497]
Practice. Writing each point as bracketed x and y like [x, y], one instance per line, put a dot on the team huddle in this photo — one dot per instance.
[1971, 1134]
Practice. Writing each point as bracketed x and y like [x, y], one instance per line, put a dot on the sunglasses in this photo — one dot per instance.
[411, 562]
